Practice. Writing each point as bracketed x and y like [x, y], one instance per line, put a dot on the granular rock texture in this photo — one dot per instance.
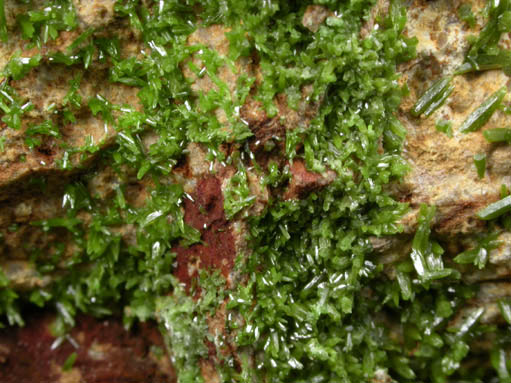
[204, 211]
[105, 352]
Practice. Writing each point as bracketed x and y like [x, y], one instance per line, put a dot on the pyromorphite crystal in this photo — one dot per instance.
[194, 224]
[433, 98]
[495, 209]
[482, 114]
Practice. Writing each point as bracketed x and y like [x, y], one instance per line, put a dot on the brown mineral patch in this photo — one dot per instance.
[304, 181]
[26, 354]
[205, 212]
[314, 16]
[265, 129]
[95, 13]
[208, 371]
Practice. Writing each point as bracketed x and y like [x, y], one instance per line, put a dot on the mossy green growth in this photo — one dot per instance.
[312, 300]
[45, 23]
[9, 307]
[3, 22]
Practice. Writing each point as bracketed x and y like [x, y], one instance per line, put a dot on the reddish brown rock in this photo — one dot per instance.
[205, 212]
[105, 352]
[304, 181]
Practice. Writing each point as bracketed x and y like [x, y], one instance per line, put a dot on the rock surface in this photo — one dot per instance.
[105, 352]
[442, 174]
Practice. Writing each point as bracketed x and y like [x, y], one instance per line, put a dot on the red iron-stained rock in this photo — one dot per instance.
[105, 352]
